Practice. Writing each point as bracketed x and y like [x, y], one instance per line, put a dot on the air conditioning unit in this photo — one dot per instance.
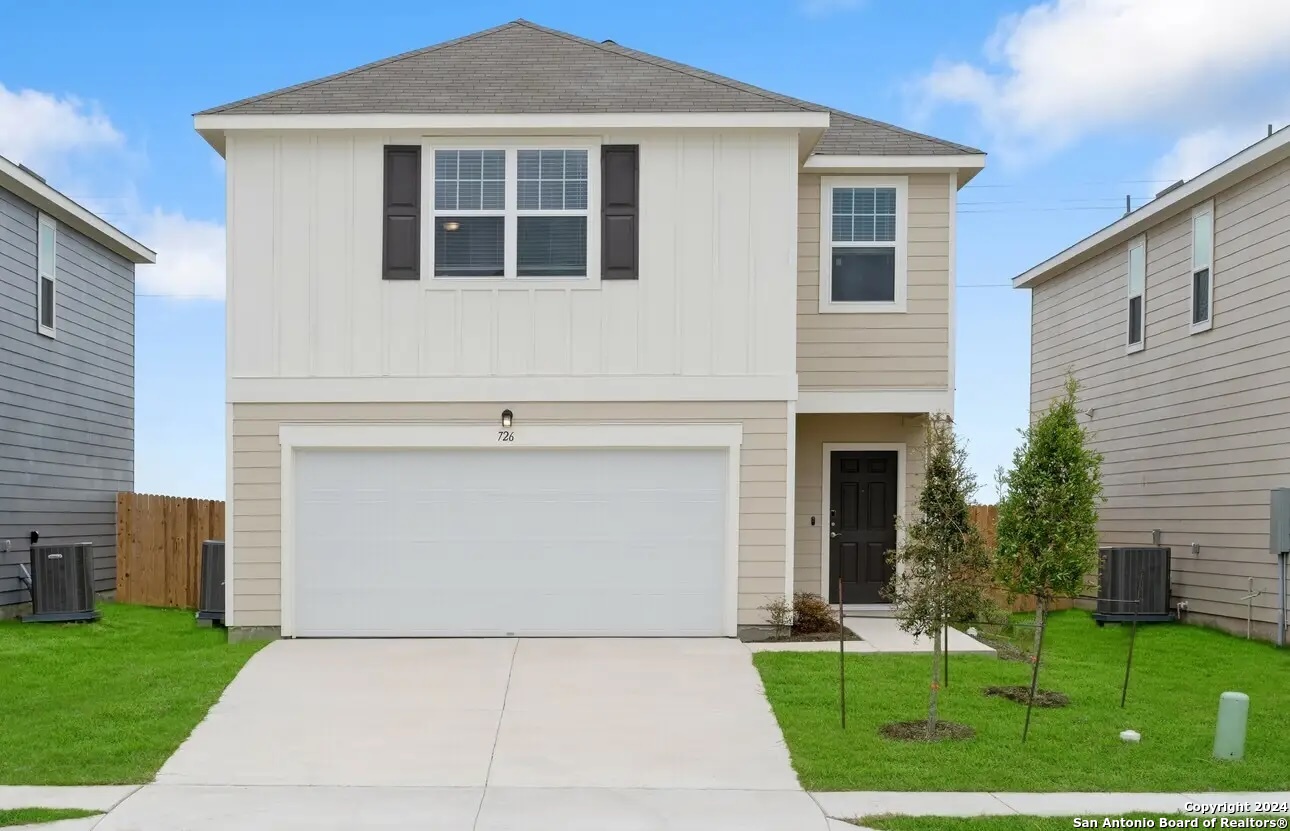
[62, 583]
[1133, 582]
[210, 609]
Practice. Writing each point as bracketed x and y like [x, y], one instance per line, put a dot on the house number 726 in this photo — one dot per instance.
[505, 435]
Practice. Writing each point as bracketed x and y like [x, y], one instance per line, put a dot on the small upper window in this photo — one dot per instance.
[863, 250]
[1137, 294]
[1202, 268]
[46, 275]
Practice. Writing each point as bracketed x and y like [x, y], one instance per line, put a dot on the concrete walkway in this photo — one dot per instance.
[880, 635]
[86, 797]
[483, 735]
[856, 804]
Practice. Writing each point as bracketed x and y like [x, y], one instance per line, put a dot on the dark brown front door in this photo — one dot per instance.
[862, 523]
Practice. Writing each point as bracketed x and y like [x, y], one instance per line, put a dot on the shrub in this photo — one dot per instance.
[780, 613]
[812, 614]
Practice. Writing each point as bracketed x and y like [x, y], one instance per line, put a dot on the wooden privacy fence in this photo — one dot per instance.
[986, 518]
[159, 547]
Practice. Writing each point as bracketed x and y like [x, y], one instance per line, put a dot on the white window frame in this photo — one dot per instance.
[51, 274]
[1208, 323]
[1130, 347]
[901, 245]
[510, 277]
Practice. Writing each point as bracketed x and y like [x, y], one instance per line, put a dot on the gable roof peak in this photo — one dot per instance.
[524, 67]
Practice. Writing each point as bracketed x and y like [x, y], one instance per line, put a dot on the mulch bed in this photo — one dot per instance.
[816, 637]
[916, 731]
[1021, 694]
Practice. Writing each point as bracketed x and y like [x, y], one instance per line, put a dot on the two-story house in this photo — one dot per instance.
[1173, 320]
[534, 334]
[66, 377]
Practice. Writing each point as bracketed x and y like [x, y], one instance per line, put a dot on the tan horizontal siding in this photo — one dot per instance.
[879, 351]
[1195, 429]
[813, 432]
[256, 595]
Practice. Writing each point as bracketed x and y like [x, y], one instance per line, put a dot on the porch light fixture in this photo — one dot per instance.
[507, 416]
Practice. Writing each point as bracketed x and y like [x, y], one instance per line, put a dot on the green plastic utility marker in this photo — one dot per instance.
[1229, 735]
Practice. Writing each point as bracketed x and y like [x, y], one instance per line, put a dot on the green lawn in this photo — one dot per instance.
[107, 702]
[31, 816]
[1178, 674]
[1005, 823]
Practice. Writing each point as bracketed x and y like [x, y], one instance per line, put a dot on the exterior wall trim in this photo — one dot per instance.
[367, 435]
[212, 127]
[37, 193]
[513, 388]
[969, 163]
[790, 501]
[826, 475]
[951, 288]
[1245, 164]
[876, 401]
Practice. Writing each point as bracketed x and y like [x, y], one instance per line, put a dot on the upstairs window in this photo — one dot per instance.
[469, 213]
[1137, 294]
[46, 275]
[1202, 268]
[512, 213]
[551, 208]
[862, 252]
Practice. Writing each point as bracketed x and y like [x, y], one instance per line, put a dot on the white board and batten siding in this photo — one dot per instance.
[714, 298]
[1195, 428]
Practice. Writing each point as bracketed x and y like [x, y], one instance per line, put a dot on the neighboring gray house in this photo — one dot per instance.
[66, 376]
[1176, 322]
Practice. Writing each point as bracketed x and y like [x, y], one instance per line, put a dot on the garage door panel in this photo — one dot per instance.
[512, 541]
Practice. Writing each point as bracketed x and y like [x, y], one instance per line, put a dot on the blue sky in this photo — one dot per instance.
[1079, 102]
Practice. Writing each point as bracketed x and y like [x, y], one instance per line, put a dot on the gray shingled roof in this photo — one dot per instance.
[520, 67]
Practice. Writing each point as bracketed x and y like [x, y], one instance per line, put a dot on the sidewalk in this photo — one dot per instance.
[855, 804]
[86, 797]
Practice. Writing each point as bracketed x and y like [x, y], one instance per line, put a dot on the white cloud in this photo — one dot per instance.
[1065, 68]
[190, 256]
[39, 129]
[824, 8]
[78, 149]
[1198, 151]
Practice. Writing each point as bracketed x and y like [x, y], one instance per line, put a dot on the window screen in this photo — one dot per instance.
[864, 215]
[469, 180]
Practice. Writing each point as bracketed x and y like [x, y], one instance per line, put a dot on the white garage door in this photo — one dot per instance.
[478, 542]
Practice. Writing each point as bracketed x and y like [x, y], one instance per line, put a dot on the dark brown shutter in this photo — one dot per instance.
[620, 226]
[402, 222]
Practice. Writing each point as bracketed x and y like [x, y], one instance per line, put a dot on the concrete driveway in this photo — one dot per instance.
[496, 734]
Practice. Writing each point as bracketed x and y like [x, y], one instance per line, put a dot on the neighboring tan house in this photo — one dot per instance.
[526, 335]
[1175, 320]
[66, 377]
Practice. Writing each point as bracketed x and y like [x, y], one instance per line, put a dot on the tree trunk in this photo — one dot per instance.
[936, 685]
[1039, 622]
